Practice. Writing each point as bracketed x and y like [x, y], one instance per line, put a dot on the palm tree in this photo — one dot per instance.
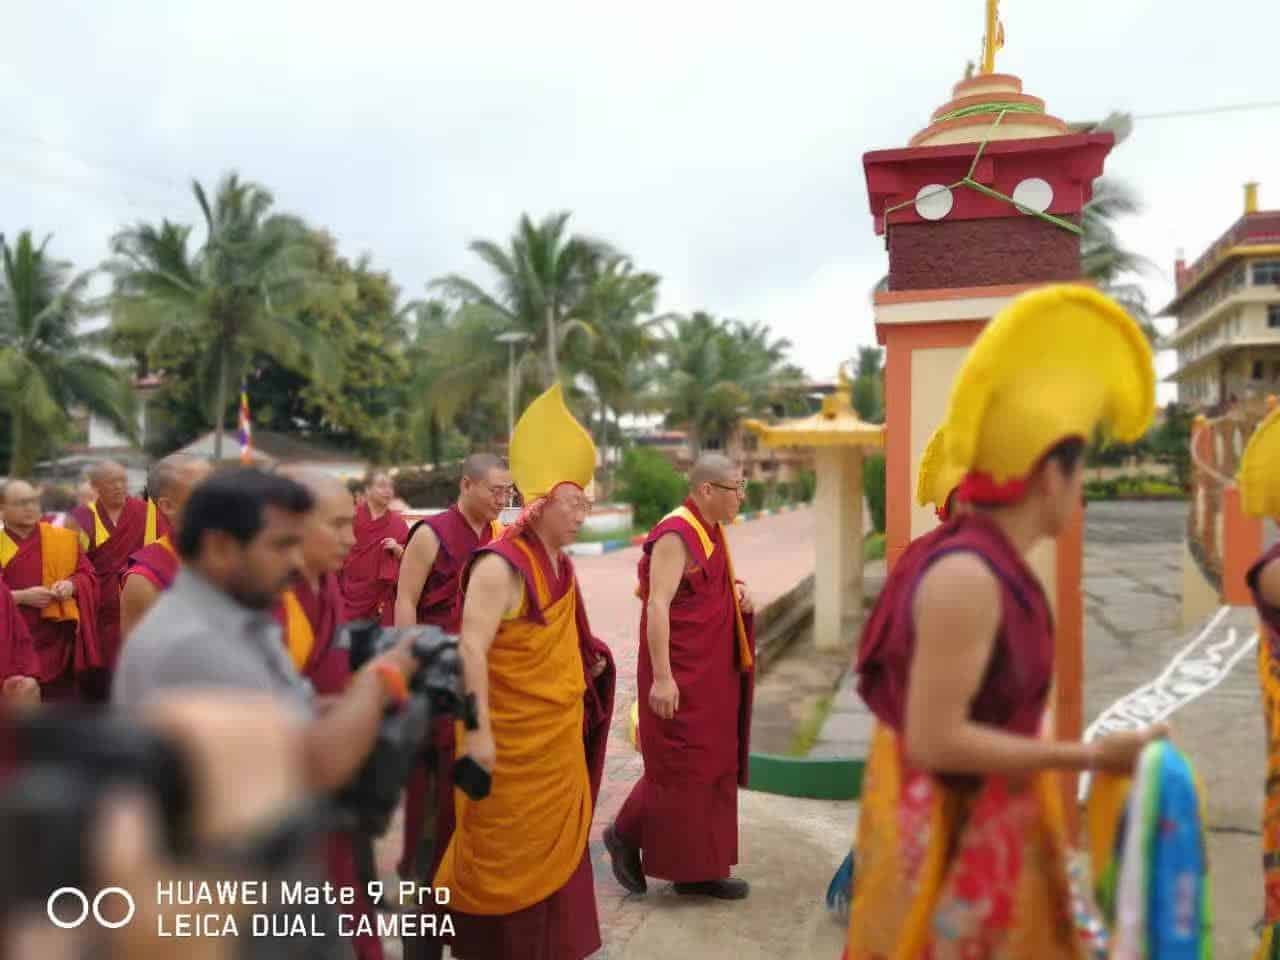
[45, 366]
[617, 307]
[714, 373]
[240, 293]
[1104, 259]
[541, 279]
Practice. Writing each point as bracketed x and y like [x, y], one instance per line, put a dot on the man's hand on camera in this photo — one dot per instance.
[479, 746]
[400, 656]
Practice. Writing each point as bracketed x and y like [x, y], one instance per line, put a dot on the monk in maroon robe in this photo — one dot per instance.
[369, 575]
[151, 570]
[429, 592]
[310, 613]
[18, 664]
[56, 592]
[111, 528]
[695, 682]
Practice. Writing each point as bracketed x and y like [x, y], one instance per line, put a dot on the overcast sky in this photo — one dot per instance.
[720, 144]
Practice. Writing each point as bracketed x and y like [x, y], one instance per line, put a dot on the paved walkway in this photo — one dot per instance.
[772, 555]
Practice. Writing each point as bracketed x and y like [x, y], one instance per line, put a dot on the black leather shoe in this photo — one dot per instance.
[730, 889]
[625, 860]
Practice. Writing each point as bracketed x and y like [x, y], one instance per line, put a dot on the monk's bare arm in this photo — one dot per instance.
[492, 589]
[415, 566]
[1269, 584]
[136, 599]
[666, 567]
[957, 616]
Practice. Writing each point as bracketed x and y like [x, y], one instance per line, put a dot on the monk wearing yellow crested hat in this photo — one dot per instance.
[517, 867]
[1260, 497]
[961, 843]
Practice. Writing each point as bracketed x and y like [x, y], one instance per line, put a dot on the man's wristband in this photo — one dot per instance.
[393, 682]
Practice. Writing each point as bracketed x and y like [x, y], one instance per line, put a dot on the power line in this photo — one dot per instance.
[1206, 111]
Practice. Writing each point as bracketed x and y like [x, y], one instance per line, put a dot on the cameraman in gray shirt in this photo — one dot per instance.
[240, 546]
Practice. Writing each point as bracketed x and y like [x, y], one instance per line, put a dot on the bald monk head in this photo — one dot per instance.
[21, 507]
[328, 533]
[717, 487]
[485, 488]
[171, 481]
[110, 483]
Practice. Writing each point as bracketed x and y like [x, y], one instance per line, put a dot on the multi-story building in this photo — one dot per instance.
[1228, 309]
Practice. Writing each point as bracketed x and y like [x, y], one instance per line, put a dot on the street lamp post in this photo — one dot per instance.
[511, 338]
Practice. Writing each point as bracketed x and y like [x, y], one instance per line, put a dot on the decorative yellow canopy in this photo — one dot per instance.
[938, 477]
[835, 425]
[549, 447]
[1057, 362]
[1259, 476]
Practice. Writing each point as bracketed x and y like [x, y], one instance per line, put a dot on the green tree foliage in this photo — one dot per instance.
[868, 385]
[650, 484]
[540, 280]
[46, 369]
[240, 293]
[358, 409]
[1171, 442]
[716, 372]
[873, 488]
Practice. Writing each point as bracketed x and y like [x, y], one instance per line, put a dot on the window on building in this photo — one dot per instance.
[1256, 373]
[1266, 273]
[1273, 315]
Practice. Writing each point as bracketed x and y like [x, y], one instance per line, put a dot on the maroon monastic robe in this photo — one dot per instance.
[64, 649]
[439, 604]
[156, 562]
[17, 652]
[683, 812]
[369, 576]
[565, 924]
[109, 555]
[1015, 687]
[328, 668]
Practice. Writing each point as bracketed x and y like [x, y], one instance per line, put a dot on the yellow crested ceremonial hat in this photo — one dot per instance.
[549, 447]
[1259, 474]
[938, 477]
[1057, 362]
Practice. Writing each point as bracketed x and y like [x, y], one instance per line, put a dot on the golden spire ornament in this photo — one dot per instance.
[993, 39]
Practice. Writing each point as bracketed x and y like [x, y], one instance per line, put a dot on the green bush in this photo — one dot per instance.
[783, 493]
[755, 495]
[806, 486]
[873, 487]
[428, 489]
[650, 484]
[1132, 488]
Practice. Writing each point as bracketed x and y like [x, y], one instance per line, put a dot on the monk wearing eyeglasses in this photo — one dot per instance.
[695, 680]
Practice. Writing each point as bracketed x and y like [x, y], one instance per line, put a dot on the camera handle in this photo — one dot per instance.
[473, 779]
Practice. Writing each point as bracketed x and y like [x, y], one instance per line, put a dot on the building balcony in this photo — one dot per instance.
[1241, 297]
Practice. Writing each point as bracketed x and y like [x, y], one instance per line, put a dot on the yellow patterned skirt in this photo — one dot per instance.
[948, 872]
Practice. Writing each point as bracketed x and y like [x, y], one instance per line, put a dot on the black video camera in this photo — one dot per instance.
[435, 689]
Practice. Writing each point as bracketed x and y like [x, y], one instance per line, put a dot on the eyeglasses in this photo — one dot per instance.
[741, 486]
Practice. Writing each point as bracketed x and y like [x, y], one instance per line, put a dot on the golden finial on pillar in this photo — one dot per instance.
[993, 39]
